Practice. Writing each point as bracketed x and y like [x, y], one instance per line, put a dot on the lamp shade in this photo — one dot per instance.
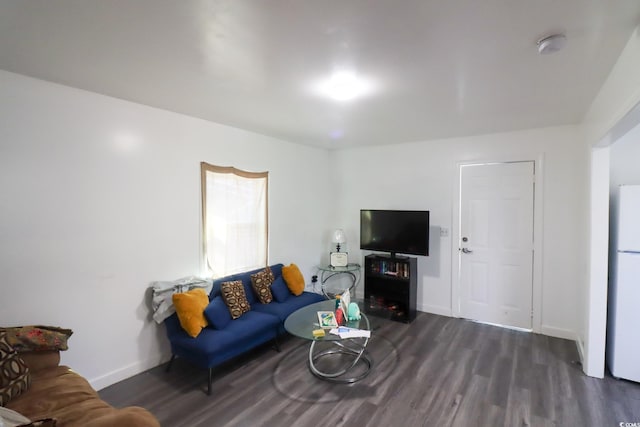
[339, 236]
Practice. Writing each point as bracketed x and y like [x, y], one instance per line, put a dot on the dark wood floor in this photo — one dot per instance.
[437, 371]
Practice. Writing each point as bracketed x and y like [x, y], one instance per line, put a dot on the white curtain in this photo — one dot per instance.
[235, 222]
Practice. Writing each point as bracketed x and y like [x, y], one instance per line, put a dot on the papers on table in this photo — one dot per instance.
[344, 332]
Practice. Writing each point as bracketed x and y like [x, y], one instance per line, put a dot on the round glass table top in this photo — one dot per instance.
[304, 321]
[346, 268]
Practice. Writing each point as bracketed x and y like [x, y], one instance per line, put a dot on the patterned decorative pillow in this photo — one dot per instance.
[14, 374]
[235, 298]
[37, 338]
[261, 282]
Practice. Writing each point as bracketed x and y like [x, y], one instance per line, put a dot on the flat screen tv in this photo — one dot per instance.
[395, 231]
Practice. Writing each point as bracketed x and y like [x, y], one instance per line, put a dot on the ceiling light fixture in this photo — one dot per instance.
[551, 44]
[344, 86]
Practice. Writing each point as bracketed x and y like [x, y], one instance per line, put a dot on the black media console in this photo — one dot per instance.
[390, 286]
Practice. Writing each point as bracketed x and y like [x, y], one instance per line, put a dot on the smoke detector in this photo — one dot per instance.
[551, 44]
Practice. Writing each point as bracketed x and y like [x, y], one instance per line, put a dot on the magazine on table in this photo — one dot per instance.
[327, 319]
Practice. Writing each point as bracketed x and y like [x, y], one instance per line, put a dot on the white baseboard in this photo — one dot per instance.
[126, 372]
[558, 332]
[434, 309]
[580, 346]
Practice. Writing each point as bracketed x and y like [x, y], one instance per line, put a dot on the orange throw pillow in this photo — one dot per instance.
[190, 307]
[293, 278]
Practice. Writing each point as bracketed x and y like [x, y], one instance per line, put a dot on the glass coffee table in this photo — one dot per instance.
[350, 363]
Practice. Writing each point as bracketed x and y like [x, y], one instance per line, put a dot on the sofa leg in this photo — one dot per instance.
[173, 356]
[209, 381]
[277, 344]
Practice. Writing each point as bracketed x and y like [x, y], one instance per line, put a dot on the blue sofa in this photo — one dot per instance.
[224, 338]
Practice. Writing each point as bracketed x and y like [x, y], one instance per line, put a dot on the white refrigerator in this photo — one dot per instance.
[623, 328]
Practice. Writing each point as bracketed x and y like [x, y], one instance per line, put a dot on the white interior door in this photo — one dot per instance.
[496, 243]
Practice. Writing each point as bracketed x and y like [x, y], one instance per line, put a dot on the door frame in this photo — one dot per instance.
[538, 205]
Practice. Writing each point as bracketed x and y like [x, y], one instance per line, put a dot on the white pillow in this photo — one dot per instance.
[11, 418]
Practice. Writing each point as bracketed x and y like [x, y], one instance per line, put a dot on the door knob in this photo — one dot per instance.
[466, 251]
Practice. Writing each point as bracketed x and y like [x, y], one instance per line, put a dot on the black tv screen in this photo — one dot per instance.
[405, 232]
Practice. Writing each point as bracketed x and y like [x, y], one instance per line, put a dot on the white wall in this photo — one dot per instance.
[602, 125]
[590, 339]
[422, 176]
[625, 158]
[618, 95]
[100, 197]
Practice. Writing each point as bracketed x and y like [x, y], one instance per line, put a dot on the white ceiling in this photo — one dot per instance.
[440, 68]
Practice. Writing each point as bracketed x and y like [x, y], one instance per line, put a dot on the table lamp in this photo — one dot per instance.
[339, 238]
[337, 258]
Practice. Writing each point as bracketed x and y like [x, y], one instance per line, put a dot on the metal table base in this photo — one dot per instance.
[355, 350]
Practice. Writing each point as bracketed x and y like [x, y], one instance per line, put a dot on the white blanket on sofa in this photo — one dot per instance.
[162, 302]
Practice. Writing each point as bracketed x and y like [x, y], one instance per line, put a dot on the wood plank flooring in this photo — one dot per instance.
[437, 371]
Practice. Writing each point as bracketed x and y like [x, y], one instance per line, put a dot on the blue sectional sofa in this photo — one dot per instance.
[224, 338]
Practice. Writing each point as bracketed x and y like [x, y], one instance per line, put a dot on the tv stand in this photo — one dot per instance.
[390, 286]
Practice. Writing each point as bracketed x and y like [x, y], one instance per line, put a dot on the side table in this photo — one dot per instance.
[351, 271]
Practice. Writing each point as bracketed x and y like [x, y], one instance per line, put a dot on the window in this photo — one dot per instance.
[234, 219]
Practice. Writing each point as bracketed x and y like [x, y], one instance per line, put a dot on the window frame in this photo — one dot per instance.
[206, 168]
